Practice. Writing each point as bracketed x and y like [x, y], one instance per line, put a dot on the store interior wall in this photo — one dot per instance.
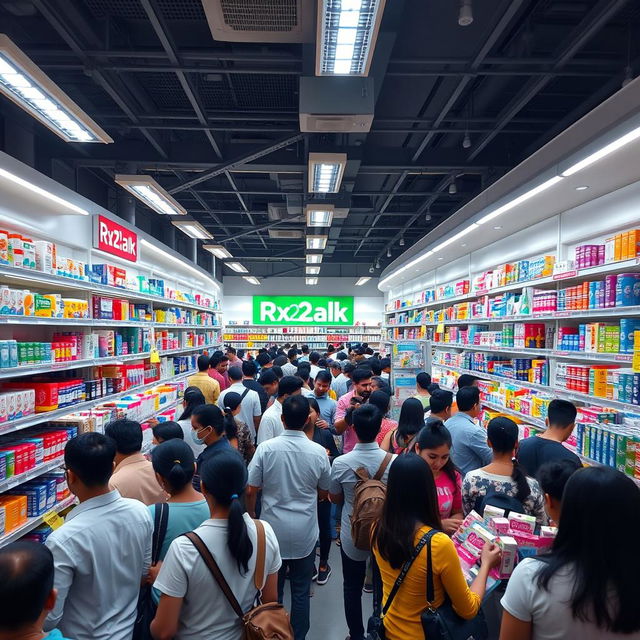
[368, 300]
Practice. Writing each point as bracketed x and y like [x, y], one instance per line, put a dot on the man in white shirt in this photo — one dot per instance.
[271, 423]
[340, 384]
[314, 358]
[305, 353]
[290, 368]
[293, 472]
[250, 409]
[101, 552]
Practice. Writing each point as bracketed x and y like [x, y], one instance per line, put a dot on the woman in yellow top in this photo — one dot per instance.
[410, 511]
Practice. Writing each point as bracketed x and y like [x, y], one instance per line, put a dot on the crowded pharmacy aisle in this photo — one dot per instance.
[319, 319]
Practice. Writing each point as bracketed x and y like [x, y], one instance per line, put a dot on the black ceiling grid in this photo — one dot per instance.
[180, 104]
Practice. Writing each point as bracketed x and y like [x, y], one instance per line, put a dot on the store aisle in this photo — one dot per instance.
[327, 609]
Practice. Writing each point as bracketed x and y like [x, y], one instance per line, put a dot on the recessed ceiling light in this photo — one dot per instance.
[314, 258]
[251, 279]
[236, 266]
[362, 281]
[146, 189]
[319, 215]
[583, 187]
[316, 242]
[217, 250]
[440, 258]
[325, 172]
[193, 229]
[464, 244]
[497, 227]
[311, 281]
[312, 271]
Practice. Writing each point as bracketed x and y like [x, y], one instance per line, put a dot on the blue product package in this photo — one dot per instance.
[628, 290]
[3, 465]
[51, 486]
[627, 328]
[593, 296]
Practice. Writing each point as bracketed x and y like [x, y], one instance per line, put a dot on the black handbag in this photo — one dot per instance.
[444, 623]
[146, 610]
[375, 626]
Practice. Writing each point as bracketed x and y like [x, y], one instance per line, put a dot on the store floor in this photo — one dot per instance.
[327, 608]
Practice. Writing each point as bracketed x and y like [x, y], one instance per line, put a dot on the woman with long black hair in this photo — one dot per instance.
[503, 477]
[411, 511]
[433, 444]
[192, 399]
[236, 430]
[587, 586]
[410, 422]
[192, 606]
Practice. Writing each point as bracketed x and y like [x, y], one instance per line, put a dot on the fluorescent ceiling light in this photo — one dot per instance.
[236, 266]
[181, 263]
[146, 189]
[316, 242]
[41, 192]
[314, 258]
[603, 152]
[520, 199]
[312, 271]
[311, 280]
[193, 229]
[319, 216]
[347, 32]
[326, 171]
[218, 251]
[362, 281]
[251, 279]
[24, 83]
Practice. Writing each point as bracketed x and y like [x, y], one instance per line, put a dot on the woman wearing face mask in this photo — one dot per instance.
[236, 430]
[193, 398]
[208, 429]
[433, 444]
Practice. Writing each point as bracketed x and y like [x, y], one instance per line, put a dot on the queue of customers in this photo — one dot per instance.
[298, 450]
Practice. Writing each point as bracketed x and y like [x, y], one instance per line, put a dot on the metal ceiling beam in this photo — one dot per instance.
[581, 34]
[233, 164]
[257, 229]
[513, 7]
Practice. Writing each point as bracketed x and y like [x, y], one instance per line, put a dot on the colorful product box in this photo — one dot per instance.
[521, 522]
[509, 555]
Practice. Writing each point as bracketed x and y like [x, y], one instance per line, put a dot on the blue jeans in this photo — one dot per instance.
[300, 573]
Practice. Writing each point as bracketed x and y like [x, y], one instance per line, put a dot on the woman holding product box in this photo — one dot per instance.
[192, 399]
[586, 587]
[411, 511]
[503, 478]
[433, 444]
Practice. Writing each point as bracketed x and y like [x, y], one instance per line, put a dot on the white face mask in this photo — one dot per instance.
[194, 436]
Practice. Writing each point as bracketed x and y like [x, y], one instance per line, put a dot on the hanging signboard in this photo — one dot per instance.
[113, 238]
[303, 310]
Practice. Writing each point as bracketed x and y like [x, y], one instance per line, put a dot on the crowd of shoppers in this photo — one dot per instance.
[280, 446]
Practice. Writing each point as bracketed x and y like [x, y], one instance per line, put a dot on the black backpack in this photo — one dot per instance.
[500, 500]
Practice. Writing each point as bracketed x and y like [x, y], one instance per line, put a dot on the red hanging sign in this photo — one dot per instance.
[113, 238]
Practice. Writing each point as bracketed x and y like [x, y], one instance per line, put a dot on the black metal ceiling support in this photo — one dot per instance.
[512, 9]
[583, 32]
[233, 164]
[257, 229]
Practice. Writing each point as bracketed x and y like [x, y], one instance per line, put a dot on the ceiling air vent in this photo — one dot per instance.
[261, 20]
[285, 234]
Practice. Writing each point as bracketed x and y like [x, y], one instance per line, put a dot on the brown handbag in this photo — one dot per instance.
[264, 622]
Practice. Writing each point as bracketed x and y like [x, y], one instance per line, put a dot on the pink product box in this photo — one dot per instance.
[589, 255]
[472, 517]
[499, 525]
[469, 558]
[530, 540]
[476, 538]
[509, 548]
[522, 523]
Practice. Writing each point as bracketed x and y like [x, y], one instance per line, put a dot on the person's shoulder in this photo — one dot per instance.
[531, 441]
[527, 569]
[314, 447]
[134, 506]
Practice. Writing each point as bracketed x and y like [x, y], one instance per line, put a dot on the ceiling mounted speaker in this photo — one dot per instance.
[264, 21]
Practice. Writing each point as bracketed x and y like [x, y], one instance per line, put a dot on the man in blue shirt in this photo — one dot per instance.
[470, 450]
[26, 591]
[327, 405]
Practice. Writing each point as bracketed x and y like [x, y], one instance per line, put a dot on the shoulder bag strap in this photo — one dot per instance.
[244, 393]
[362, 474]
[161, 519]
[258, 575]
[215, 571]
[431, 592]
[403, 573]
[383, 467]
[394, 434]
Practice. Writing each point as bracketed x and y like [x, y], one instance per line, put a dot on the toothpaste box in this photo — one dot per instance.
[522, 523]
[499, 525]
[493, 512]
[509, 548]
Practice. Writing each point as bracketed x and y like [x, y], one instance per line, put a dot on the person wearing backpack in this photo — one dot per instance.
[358, 482]
[502, 482]
[193, 605]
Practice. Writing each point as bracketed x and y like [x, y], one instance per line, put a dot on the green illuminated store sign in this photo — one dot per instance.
[303, 310]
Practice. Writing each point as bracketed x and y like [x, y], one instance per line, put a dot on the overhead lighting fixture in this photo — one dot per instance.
[452, 239]
[347, 33]
[377, 264]
[314, 258]
[603, 152]
[312, 271]
[497, 227]
[163, 253]
[251, 279]
[236, 266]
[193, 229]
[466, 141]
[326, 171]
[319, 215]
[453, 187]
[401, 243]
[465, 17]
[584, 187]
[24, 83]
[146, 189]
[389, 253]
[428, 217]
[362, 281]
[42, 192]
[371, 270]
[217, 250]
[311, 281]
[316, 242]
[520, 199]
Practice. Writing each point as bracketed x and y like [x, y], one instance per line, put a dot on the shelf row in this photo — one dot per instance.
[37, 277]
[18, 372]
[574, 275]
[31, 420]
[91, 322]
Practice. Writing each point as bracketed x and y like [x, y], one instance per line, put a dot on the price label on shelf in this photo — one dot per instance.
[53, 520]
[565, 275]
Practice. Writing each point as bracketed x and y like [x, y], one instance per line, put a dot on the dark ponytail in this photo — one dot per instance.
[502, 434]
[174, 461]
[231, 402]
[433, 436]
[224, 476]
[193, 398]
